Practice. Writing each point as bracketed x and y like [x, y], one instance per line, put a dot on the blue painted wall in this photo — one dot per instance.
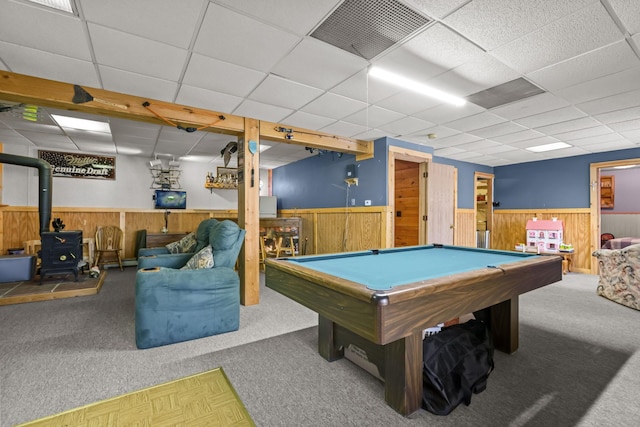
[550, 184]
[318, 182]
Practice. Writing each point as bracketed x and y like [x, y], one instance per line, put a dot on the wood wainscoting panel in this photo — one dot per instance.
[465, 232]
[509, 228]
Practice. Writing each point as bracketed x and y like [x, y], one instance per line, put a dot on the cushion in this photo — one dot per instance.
[203, 259]
[186, 244]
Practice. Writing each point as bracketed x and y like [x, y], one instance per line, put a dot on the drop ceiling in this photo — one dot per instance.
[258, 59]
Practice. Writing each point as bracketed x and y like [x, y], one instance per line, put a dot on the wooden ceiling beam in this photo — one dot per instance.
[49, 93]
[314, 139]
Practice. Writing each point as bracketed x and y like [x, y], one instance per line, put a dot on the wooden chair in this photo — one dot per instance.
[108, 240]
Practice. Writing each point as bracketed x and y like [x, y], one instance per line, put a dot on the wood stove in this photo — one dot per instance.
[61, 252]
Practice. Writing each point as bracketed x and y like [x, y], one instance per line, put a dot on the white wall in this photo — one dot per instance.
[130, 189]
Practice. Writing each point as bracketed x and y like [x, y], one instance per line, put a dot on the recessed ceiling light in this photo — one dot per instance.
[549, 147]
[412, 85]
[64, 5]
[81, 124]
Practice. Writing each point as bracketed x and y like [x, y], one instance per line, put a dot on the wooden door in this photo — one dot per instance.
[440, 203]
[407, 203]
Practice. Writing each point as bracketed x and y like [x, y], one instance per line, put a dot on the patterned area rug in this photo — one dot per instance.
[54, 287]
[206, 399]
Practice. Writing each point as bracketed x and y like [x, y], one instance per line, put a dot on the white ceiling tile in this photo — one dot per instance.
[373, 117]
[448, 151]
[137, 84]
[496, 149]
[406, 63]
[318, 64]
[610, 146]
[166, 21]
[334, 106]
[299, 17]
[42, 139]
[464, 156]
[364, 88]
[583, 133]
[562, 39]
[477, 121]
[250, 43]
[474, 76]
[207, 99]
[612, 84]
[136, 54]
[611, 103]
[284, 93]
[628, 11]
[584, 68]
[550, 117]
[445, 113]
[307, 121]
[405, 125]
[440, 131]
[219, 76]
[47, 65]
[440, 46]
[479, 146]
[492, 23]
[341, 128]
[517, 136]
[370, 135]
[631, 135]
[436, 8]
[408, 102]
[616, 116]
[458, 139]
[530, 106]
[569, 125]
[260, 111]
[47, 30]
[598, 139]
[626, 125]
[497, 130]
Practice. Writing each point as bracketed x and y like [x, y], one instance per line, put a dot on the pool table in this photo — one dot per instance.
[380, 301]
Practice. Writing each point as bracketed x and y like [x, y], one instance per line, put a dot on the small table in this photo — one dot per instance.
[382, 300]
[567, 260]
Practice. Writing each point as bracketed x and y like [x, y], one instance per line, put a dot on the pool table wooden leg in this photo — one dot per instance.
[503, 318]
[327, 344]
[403, 374]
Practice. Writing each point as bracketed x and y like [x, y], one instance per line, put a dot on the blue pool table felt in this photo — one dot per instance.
[393, 267]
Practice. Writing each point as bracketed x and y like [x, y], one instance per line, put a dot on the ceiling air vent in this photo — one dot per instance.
[369, 27]
[505, 93]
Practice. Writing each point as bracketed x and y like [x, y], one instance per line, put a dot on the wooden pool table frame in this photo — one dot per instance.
[388, 325]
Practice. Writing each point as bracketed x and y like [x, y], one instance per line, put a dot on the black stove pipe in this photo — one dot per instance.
[45, 174]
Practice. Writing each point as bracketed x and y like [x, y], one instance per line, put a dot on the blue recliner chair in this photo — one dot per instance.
[202, 236]
[174, 305]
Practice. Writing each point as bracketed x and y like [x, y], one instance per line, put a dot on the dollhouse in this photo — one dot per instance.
[545, 235]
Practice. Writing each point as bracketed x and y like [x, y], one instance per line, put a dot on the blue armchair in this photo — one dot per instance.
[202, 237]
[174, 305]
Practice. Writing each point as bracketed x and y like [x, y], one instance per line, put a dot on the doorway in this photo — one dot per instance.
[483, 196]
[594, 201]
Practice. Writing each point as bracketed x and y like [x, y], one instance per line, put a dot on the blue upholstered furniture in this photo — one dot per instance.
[202, 236]
[174, 305]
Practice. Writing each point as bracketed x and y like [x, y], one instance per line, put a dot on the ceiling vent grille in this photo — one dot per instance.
[369, 27]
[508, 92]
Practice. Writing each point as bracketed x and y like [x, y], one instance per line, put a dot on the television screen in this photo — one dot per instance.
[168, 199]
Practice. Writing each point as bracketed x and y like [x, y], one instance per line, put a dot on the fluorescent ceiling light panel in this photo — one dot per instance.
[548, 147]
[403, 82]
[625, 167]
[64, 5]
[81, 124]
